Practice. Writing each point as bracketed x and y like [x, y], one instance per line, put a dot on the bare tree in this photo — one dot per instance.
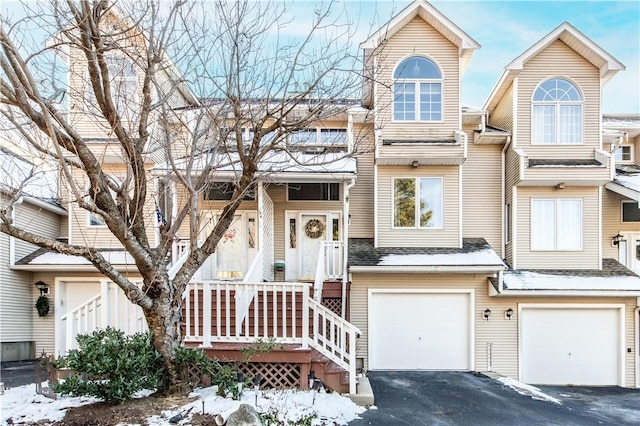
[136, 96]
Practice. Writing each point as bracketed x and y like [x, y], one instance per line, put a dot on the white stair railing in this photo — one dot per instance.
[282, 311]
[244, 298]
[329, 266]
[84, 319]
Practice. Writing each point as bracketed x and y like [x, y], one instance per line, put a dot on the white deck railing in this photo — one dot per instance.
[86, 318]
[280, 310]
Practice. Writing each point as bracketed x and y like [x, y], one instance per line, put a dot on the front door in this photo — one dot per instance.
[313, 230]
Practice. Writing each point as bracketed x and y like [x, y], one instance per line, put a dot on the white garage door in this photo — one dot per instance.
[429, 331]
[571, 345]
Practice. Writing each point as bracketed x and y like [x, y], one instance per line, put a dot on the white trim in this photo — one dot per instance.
[566, 306]
[412, 269]
[417, 178]
[460, 207]
[514, 226]
[599, 227]
[568, 293]
[629, 193]
[636, 333]
[472, 303]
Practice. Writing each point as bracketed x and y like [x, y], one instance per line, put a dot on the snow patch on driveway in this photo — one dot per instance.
[528, 390]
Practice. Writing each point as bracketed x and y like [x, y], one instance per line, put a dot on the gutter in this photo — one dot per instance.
[345, 233]
[436, 269]
[569, 293]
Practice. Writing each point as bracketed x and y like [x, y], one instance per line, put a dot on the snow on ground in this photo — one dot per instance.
[528, 390]
[22, 404]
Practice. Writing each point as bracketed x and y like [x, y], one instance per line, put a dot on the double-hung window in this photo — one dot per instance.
[123, 82]
[557, 113]
[556, 224]
[417, 90]
[417, 202]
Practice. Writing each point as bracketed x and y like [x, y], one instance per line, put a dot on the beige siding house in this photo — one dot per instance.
[497, 239]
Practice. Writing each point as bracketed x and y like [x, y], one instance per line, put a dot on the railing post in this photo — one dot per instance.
[106, 304]
[305, 317]
[352, 363]
[206, 315]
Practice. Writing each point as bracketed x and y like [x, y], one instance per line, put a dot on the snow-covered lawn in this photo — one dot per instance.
[23, 405]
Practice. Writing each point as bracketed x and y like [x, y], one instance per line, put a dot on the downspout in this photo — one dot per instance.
[12, 239]
[503, 196]
[345, 254]
[636, 322]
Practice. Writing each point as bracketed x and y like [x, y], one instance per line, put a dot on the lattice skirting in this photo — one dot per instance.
[275, 375]
[334, 304]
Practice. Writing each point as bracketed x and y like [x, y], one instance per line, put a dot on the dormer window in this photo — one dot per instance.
[557, 113]
[417, 90]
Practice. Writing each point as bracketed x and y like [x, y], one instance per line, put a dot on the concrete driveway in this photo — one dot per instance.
[463, 398]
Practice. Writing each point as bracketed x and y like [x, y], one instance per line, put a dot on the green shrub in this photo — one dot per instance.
[111, 366]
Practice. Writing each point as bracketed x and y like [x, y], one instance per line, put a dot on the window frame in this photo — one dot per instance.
[416, 219]
[622, 160]
[557, 104]
[329, 192]
[557, 237]
[622, 203]
[117, 80]
[417, 93]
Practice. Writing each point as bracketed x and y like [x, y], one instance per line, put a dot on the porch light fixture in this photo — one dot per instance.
[616, 239]
[487, 312]
[560, 185]
[415, 163]
[508, 313]
[42, 287]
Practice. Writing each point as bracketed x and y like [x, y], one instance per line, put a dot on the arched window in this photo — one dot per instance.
[417, 90]
[557, 113]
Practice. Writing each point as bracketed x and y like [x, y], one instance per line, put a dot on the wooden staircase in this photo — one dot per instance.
[224, 318]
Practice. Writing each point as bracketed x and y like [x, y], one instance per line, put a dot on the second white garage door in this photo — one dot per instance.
[571, 345]
[413, 330]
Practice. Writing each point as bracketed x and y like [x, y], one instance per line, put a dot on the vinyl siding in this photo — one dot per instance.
[361, 200]
[502, 116]
[101, 236]
[16, 299]
[38, 220]
[558, 60]
[448, 236]
[612, 222]
[500, 333]
[481, 200]
[587, 258]
[419, 38]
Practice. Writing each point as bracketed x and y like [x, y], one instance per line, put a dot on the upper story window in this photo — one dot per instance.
[320, 136]
[223, 191]
[556, 224]
[557, 113]
[417, 90]
[624, 154]
[313, 191]
[417, 202]
[123, 81]
[630, 211]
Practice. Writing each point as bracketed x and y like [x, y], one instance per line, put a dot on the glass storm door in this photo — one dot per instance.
[232, 251]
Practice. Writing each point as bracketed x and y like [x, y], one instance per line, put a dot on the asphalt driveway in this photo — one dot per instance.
[463, 398]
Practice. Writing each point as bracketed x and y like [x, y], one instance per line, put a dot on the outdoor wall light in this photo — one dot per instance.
[42, 287]
[415, 163]
[508, 313]
[487, 312]
[615, 240]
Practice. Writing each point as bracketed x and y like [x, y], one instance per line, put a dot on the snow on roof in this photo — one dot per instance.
[621, 120]
[481, 257]
[119, 257]
[528, 280]
[279, 162]
[628, 181]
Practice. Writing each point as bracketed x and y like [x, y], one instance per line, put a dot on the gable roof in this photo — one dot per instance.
[569, 35]
[433, 17]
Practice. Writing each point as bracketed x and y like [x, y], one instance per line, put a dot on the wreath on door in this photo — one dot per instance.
[314, 228]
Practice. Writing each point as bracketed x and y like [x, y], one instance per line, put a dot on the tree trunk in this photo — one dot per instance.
[164, 319]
